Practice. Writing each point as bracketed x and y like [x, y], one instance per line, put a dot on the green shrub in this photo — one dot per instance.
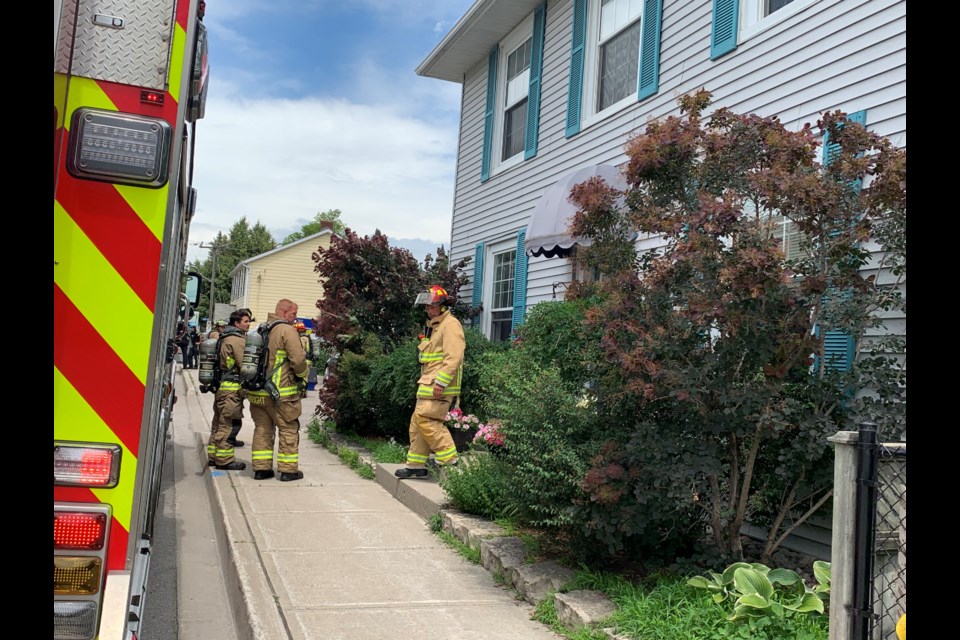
[477, 485]
[353, 409]
[553, 333]
[390, 390]
[545, 435]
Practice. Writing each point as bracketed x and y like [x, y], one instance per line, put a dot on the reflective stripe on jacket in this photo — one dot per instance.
[441, 356]
[286, 357]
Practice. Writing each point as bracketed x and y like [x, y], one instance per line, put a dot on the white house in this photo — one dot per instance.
[551, 90]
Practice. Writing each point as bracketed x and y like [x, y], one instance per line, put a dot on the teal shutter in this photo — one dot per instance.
[830, 150]
[488, 114]
[648, 82]
[478, 276]
[838, 345]
[723, 35]
[520, 280]
[575, 90]
[536, 70]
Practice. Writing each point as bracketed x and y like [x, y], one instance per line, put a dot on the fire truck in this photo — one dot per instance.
[130, 83]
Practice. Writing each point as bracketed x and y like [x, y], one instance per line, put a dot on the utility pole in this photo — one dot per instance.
[213, 278]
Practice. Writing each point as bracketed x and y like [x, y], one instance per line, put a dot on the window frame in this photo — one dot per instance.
[520, 34]
[589, 110]
[493, 250]
[753, 22]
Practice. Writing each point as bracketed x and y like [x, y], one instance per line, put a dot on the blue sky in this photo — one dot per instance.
[315, 105]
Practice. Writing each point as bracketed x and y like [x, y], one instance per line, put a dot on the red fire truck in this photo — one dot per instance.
[130, 79]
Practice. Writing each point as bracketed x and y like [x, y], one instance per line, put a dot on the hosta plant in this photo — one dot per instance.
[753, 590]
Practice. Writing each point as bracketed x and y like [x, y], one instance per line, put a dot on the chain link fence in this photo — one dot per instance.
[880, 568]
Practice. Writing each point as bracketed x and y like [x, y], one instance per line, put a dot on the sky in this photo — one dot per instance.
[316, 105]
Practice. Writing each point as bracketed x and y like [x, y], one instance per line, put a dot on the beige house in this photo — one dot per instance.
[285, 272]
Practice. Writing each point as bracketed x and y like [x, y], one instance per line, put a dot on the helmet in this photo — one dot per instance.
[299, 326]
[434, 295]
[220, 323]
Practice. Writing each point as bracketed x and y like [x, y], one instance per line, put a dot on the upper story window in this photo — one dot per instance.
[759, 15]
[735, 21]
[614, 58]
[514, 89]
[512, 113]
[612, 55]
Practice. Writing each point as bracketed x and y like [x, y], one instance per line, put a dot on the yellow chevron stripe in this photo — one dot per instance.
[59, 96]
[73, 419]
[176, 70]
[85, 92]
[101, 295]
[150, 205]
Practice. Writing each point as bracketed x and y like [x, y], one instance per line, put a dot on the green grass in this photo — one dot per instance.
[465, 550]
[664, 607]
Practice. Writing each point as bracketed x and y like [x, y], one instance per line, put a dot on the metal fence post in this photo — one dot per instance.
[866, 511]
[843, 539]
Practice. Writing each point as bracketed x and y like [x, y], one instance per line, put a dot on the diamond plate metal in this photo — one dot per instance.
[137, 54]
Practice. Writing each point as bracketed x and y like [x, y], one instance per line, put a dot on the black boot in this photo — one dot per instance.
[265, 474]
[407, 472]
[236, 465]
[287, 476]
[234, 430]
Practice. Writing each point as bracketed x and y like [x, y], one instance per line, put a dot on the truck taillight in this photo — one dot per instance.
[81, 536]
[76, 575]
[86, 464]
[79, 530]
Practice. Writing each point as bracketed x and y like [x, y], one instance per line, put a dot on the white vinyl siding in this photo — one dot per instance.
[824, 55]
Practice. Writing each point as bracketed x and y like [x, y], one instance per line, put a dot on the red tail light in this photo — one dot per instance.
[78, 530]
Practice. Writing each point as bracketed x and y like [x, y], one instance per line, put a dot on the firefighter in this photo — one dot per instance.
[229, 397]
[279, 418]
[218, 327]
[237, 420]
[440, 354]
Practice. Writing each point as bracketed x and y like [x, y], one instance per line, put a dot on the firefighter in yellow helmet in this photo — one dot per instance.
[440, 354]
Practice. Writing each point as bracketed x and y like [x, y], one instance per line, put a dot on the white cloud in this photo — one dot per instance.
[280, 162]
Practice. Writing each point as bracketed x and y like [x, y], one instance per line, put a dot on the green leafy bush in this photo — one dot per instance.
[545, 430]
[478, 485]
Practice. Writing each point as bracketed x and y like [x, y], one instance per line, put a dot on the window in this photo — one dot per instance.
[512, 115]
[787, 235]
[734, 21]
[579, 273]
[511, 119]
[614, 59]
[500, 286]
[618, 51]
[501, 306]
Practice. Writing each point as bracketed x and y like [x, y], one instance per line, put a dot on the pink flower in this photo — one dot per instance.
[459, 421]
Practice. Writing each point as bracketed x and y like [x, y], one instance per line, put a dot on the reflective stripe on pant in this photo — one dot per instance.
[237, 423]
[227, 405]
[429, 435]
[279, 423]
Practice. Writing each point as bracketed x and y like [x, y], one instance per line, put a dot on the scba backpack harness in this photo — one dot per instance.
[253, 371]
[209, 373]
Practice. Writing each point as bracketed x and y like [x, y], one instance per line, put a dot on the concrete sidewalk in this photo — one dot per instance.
[336, 557]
